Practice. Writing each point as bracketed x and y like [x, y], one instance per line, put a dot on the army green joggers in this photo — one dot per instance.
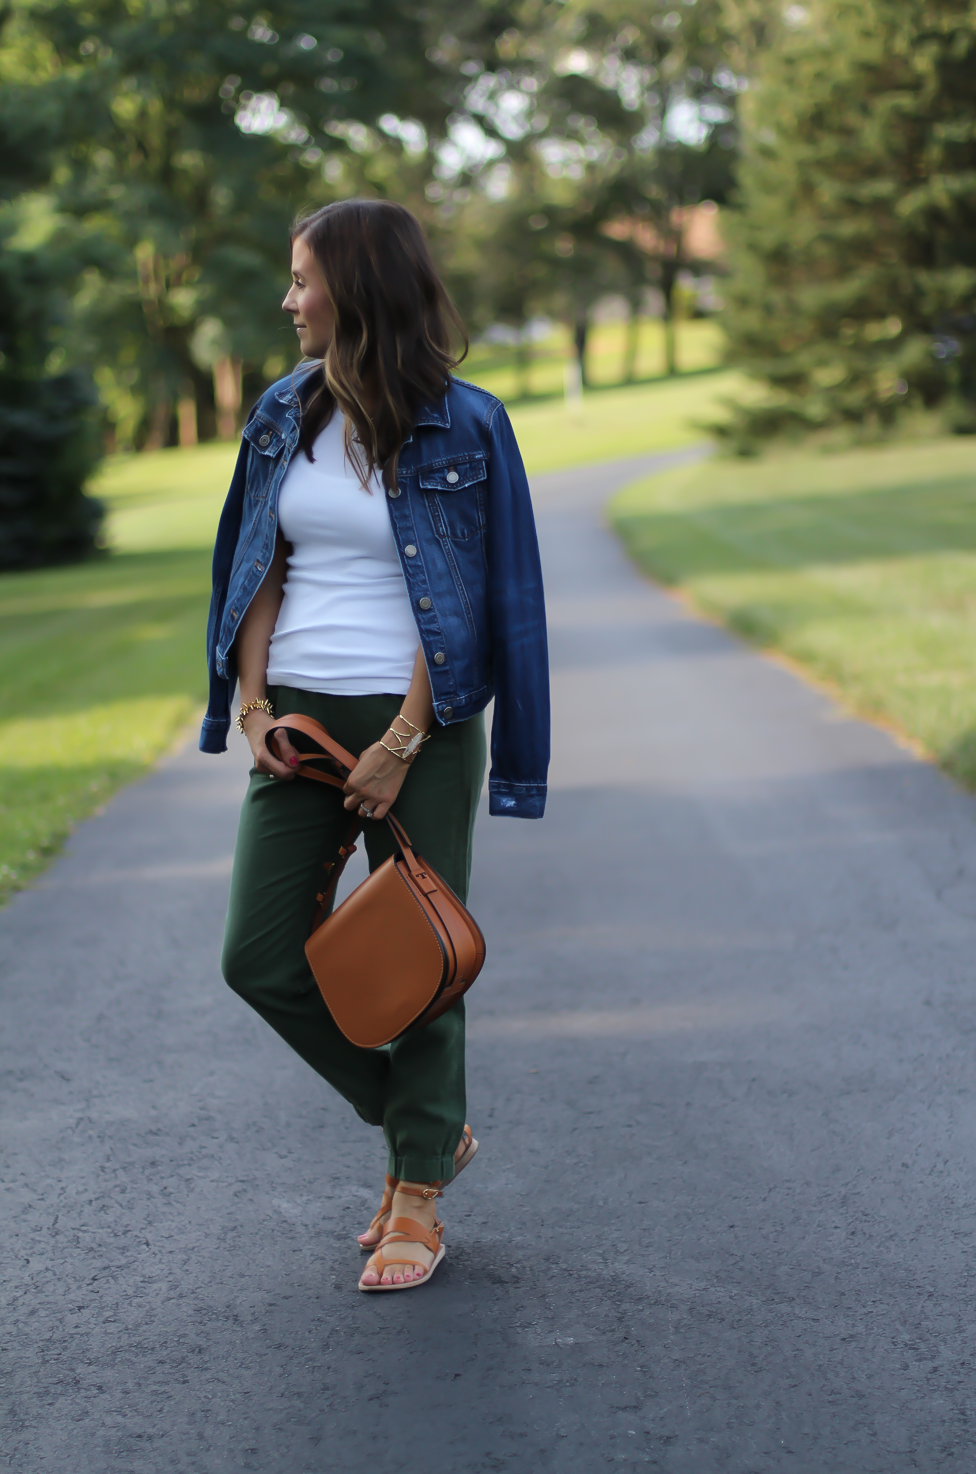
[414, 1088]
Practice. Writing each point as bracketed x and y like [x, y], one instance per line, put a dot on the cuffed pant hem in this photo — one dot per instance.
[421, 1169]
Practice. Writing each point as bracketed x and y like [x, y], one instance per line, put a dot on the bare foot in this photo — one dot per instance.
[417, 1203]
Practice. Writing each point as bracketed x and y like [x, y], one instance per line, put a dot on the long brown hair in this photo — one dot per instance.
[394, 325]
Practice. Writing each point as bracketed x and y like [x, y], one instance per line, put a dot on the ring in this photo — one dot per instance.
[366, 813]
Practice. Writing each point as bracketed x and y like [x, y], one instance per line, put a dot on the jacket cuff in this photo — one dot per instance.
[213, 734]
[516, 800]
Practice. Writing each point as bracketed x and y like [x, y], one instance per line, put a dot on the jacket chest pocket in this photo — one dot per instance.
[455, 495]
[267, 444]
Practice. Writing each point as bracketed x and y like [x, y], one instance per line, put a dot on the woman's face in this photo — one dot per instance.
[309, 302]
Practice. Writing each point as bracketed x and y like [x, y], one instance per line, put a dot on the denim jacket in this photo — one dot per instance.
[464, 531]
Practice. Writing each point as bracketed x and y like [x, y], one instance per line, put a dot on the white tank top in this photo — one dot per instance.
[345, 625]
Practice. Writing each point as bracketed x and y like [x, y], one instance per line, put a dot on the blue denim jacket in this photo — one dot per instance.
[463, 527]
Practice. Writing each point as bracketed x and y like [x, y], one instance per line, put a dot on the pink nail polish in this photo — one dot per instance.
[293, 762]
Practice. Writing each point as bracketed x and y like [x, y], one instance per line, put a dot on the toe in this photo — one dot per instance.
[369, 1277]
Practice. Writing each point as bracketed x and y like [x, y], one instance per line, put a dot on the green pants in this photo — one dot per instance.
[414, 1087]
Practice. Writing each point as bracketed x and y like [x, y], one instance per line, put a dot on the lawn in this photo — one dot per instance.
[103, 662]
[860, 566]
[699, 345]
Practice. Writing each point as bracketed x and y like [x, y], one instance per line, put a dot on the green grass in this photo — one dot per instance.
[102, 664]
[700, 344]
[860, 566]
[621, 422]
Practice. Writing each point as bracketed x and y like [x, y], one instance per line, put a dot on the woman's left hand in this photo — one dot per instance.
[375, 781]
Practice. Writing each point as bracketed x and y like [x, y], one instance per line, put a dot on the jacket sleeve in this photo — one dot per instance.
[216, 723]
[520, 659]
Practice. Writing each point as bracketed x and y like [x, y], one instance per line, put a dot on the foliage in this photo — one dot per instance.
[48, 440]
[860, 566]
[592, 127]
[186, 138]
[854, 294]
[550, 149]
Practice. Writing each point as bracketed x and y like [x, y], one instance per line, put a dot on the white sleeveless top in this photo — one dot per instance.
[345, 624]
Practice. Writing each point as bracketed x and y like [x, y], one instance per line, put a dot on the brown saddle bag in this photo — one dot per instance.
[401, 949]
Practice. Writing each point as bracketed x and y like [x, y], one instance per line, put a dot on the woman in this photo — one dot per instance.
[376, 568]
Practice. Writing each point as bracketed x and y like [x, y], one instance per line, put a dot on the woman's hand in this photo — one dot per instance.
[257, 725]
[375, 781]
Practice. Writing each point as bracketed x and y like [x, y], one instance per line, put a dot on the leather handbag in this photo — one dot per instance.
[401, 949]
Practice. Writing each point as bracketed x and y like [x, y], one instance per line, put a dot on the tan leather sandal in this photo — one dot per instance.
[407, 1231]
[382, 1215]
[460, 1162]
[468, 1147]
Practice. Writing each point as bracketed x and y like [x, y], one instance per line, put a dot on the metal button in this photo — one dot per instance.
[394, 492]
[451, 476]
[448, 713]
[440, 658]
[425, 603]
[271, 511]
[259, 565]
[266, 440]
[410, 551]
[233, 614]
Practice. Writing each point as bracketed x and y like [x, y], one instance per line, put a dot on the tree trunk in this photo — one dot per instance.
[633, 341]
[668, 277]
[186, 416]
[203, 389]
[159, 422]
[579, 338]
[227, 394]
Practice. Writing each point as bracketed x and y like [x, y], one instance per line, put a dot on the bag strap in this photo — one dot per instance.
[330, 751]
[343, 762]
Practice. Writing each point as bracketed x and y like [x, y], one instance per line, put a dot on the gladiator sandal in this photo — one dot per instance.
[407, 1231]
[466, 1149]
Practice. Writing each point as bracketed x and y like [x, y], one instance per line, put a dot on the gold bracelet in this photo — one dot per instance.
[248, 706]
[409, 743]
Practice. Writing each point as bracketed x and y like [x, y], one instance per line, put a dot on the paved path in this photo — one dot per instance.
[721, 1067]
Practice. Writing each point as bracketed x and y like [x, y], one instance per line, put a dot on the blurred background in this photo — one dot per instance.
[734, 221]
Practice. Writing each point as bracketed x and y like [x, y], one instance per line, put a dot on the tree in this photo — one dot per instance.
[48, 436]
[602, 123]
[188, 136]
[855, 237]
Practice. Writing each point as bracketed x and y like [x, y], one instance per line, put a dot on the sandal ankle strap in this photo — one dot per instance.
[429, 1192]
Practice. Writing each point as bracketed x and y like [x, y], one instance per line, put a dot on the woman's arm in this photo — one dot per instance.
[378, 776]
[251, 646]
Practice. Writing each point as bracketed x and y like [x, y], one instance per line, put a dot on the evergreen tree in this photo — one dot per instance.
[855, 238]
[48, 433]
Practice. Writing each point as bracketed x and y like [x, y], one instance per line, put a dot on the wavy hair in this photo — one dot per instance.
[395, 325]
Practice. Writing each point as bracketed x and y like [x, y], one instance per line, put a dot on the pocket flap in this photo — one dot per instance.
[266, 438]
[453, 475]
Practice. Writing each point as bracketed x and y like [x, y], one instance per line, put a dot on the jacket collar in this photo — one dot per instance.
[297, 390]
[434, 412]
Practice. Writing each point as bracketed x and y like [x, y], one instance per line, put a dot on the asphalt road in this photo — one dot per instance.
[721, 1067]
